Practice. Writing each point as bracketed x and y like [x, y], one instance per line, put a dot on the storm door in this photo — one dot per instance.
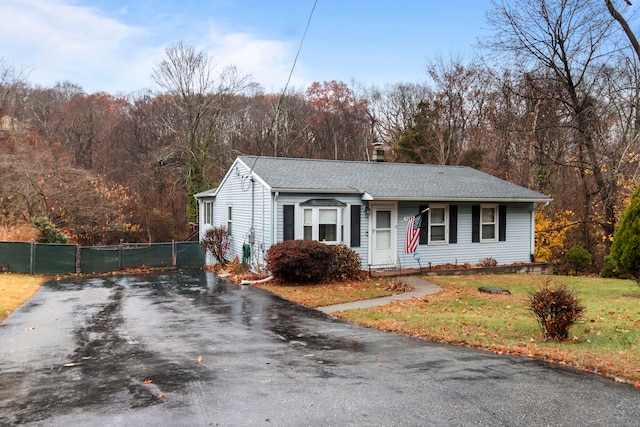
[383, 235]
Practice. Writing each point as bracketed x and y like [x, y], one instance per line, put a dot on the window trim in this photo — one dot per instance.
[229, 218]
[208, 212]
[315, 223]
[445, 223]
[495, 223]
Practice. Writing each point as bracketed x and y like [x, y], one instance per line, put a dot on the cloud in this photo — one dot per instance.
[58, 41]
[269, 62]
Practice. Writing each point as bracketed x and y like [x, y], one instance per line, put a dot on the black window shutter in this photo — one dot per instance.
[453, 224]
[502, 223]
[424, 228]
[475, 223]
[288, 222]
[355, 226]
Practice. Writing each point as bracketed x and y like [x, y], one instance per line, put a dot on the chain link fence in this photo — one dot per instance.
[54, 258]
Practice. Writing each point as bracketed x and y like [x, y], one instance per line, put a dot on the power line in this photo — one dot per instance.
[295, 60]
[284, 91]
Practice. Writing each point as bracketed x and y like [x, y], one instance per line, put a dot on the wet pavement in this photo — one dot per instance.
[185, 349]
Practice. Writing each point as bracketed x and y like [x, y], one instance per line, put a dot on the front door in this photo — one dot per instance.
[383, 235]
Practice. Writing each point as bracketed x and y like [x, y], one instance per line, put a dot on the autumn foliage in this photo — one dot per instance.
[345, 264]
[556, 310]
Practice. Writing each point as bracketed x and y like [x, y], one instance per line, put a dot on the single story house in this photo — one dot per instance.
[393, 215]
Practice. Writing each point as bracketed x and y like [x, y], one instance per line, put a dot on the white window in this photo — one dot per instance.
[488, 223]
[229, 218]
[308, 224]
[323, 224]
[208, 212]
[438, 224]
[328, 225]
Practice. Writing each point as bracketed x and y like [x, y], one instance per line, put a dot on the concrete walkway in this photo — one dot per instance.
[421, 286]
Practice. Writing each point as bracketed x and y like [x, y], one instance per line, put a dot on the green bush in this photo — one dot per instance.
[556, 310]
[299, 261]
[609, 268]
[345, 263]
[578, 257]
[625, 250]
[49, 233]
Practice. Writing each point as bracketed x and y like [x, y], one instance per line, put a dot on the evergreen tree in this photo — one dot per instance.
[625, 250]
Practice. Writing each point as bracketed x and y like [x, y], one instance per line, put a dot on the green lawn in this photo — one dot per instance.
[605, 341]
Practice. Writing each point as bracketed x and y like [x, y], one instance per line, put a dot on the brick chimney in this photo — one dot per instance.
[378, 152]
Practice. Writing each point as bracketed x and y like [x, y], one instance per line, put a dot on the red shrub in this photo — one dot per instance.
[299, 261]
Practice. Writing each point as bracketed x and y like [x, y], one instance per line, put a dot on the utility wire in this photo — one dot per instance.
[284, 91]
[295, 60]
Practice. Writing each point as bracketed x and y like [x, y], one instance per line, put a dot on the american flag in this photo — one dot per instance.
[412, 236]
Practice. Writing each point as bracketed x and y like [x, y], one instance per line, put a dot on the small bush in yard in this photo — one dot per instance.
[217, 241]
[346, 263]
[578, 257]
[299, 261]
[556, 310]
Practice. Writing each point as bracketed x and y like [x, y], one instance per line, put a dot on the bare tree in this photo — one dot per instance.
[394, 108]
[624, 24]
[12, 79]
[189, 78]
[568, 40]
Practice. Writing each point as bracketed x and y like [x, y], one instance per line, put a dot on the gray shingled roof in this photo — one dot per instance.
[386, 181]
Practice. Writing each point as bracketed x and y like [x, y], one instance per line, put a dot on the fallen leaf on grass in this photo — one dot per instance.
[199, 359]
[147, 381]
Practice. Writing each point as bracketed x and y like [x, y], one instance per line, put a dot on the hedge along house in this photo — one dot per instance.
[455, 214]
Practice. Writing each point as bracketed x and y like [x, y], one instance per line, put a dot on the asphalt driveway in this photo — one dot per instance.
[184, 349]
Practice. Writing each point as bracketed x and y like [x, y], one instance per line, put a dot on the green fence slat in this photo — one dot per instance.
[15, 257]
[53, 258]
[156, 255]
[97, 259]
[189, 255]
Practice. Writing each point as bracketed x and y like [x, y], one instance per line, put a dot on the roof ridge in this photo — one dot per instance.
[364, 162]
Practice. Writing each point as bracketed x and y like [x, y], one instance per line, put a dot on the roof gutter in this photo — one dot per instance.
[313, 191]
[368, 197]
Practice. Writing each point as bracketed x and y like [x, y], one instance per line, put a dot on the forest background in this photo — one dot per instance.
[554, 108]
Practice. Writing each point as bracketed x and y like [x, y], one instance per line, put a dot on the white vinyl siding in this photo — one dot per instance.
[250, 204]
[516, 247]
[344, 217]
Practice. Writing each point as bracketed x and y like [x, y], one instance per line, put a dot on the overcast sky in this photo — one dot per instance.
[113, 45]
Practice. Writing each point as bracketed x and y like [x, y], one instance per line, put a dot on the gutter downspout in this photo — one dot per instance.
[274, 218]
